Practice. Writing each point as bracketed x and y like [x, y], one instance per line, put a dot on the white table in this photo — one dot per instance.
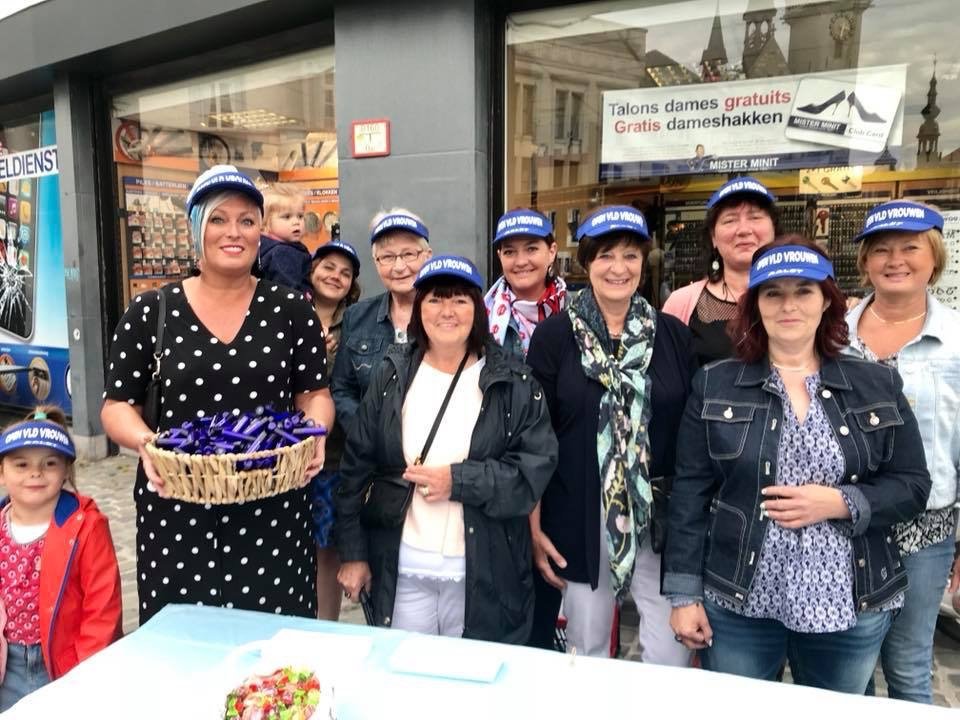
[180, 664]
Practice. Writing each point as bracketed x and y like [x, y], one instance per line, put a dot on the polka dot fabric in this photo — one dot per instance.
[20, 582]
[256, 555]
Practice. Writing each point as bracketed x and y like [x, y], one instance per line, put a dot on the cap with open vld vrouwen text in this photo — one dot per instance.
[37, 434]
[220, 178]
[618, 218]
[339, 246]
[746, 186]
[790, 261]
[453, 266]
[522, 222]
[901, 216]
[399, 221]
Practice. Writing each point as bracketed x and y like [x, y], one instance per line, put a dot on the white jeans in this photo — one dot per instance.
[590, 612]
[429, 605]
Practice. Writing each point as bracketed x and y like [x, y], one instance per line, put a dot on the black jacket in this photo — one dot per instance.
[730, 437]
[570, 510]
[513, 452]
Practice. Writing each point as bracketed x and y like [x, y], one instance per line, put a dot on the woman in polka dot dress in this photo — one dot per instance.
[231, 342]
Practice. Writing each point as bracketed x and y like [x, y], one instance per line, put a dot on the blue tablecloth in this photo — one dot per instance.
[182, 662]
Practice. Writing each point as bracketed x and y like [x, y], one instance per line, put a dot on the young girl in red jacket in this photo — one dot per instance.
[59, 580]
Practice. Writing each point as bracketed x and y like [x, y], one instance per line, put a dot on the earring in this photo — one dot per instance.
[715, 260]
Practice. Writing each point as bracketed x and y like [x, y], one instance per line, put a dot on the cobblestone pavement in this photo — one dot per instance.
[110, 483]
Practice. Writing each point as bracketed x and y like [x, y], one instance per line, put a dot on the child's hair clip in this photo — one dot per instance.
[39, 415]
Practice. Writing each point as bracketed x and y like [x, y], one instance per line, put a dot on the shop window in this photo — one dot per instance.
[273, 120]
[831, 105]
[34, 339]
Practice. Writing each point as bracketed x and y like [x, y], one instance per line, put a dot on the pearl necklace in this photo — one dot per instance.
[894, 322]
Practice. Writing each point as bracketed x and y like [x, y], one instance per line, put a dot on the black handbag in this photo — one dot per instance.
[660, 487]
[151, 402]
[388, 496]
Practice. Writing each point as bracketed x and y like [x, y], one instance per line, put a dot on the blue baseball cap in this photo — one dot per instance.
[453, 266]
[900, 215]
[790, 261]
[617, 218]
[399, 221]
[37, 434]
[341, 247]
[220, 178]
[745, 185]
[522, 222]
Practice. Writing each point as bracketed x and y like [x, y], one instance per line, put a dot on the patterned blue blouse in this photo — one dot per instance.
[804, 577]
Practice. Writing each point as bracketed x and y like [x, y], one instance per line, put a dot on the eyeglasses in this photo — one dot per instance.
[407, 257]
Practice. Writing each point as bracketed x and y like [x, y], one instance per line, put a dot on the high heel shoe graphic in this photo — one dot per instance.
[812, 109]
[865, 115]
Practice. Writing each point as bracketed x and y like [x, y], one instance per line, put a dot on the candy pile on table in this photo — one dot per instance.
[225, 433]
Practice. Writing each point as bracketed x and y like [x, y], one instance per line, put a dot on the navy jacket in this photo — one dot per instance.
[285, 263]
[570, 508]
[730, 436]
[365, 335]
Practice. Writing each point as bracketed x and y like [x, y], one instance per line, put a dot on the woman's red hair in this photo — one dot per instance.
[750, 337]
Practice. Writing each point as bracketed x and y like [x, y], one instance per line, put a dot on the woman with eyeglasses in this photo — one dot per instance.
[399, 242]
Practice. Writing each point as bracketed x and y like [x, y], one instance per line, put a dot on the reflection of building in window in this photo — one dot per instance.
[928, 137]
[558, 85]
[567, 108]
[665, 71]
[821, 39]
[713, 61]
[762, 56]
[527, 110]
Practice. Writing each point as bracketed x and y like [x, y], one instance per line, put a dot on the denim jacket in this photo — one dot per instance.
[730, 439]
[930, 367]
[365, 335]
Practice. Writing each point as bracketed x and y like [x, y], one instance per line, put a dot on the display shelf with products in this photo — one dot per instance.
[157, 248]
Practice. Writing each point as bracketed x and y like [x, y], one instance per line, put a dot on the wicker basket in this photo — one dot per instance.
[215, 479]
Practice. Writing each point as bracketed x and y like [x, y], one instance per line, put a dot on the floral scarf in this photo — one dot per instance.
[623, 441]
[503, 304]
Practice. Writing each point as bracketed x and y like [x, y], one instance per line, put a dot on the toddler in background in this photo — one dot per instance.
[283, 258]
[59, 579]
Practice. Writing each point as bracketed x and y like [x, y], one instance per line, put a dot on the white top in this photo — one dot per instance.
[26, 534]
[434, 530]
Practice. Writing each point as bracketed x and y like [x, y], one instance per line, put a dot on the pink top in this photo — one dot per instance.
[682, 301]
[20, 579]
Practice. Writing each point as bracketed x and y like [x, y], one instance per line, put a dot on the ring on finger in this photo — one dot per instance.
[425, 490]
[678, 638]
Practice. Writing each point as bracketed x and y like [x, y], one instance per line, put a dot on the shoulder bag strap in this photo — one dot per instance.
[161, 321]
[443, 408]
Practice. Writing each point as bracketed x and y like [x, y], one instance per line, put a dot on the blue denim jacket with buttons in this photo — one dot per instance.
[365, 335]
[730, 438]
[930, 367]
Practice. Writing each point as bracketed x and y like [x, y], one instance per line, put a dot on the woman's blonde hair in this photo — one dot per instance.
[422, 242]
[937, 246]
[56, 415]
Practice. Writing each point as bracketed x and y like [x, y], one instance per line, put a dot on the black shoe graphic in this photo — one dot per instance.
[817, 109]
[865, 115]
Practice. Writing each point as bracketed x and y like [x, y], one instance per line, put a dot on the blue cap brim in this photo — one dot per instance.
[37, 434]
[781, 273]
[255, 196]
[329, 248]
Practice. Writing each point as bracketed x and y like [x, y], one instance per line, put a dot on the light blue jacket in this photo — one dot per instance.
[930, 367]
